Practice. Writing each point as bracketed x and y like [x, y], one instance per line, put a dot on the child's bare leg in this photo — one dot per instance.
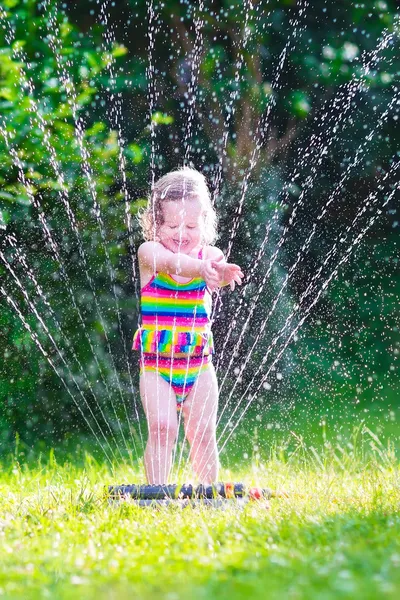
[159, 404]
[200, 413]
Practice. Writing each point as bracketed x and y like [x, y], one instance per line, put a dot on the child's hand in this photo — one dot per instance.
[209, 274]
[228, 273]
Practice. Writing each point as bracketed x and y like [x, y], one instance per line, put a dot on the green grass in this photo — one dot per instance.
[336, 535]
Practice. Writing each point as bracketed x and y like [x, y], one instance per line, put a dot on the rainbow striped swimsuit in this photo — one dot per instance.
[175, 318]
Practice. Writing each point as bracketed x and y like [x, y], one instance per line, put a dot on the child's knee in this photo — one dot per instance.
[163, 430]
[202, 432]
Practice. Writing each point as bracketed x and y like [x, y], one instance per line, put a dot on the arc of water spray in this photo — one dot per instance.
[231, 107]
[383, 44]
[315, 142]
[310, 288]
[35, 338]
[263, 124]
[229, 114]
[191, 93]
[306, 245]
[152, 97]
[88, 172]
[192, 86]
[64, 197]
[262, 129]
[34, 108]
[152, 92]
[49, 238]
[230, 111]
[323, 288]
[188, 357]
[355, 161]
[34, 311]
[115, 110]
[12, 241]
[260, 136]
[315, 145]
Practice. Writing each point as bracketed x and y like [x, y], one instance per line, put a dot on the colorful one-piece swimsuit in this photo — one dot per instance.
[175, 318]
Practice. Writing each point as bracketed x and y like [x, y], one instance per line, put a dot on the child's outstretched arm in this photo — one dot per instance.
[228, 273]
[154, 257]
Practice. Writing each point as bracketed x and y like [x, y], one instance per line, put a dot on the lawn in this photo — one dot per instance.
[335, 535]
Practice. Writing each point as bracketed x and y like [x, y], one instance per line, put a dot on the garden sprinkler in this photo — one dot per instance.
[218, 494]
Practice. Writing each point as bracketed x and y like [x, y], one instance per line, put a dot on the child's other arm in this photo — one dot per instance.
[154, 257]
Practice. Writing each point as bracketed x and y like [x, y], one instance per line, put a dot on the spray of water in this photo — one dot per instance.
[115, 112]
[21, 257]
[35, 338]
[334, 196]
[59, 352]
[230, 108]
[260, 136]
[195, 61]
[90, 181]
[38, 120]
[356, 160]
[324, 286]
[315, 153]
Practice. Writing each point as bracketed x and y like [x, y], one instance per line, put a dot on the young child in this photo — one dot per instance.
[179, 270]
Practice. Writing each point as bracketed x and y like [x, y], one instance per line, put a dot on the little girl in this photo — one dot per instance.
[179, 270]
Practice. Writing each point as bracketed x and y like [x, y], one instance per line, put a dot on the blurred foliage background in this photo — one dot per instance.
[262, 102]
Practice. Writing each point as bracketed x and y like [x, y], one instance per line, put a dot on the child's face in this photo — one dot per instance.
[183, 225]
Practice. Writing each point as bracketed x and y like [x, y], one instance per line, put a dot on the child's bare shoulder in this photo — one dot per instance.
[212, 252]
[146, 246]
[148, 249]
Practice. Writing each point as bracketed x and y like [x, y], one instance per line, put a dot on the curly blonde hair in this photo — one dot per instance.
[182, 184]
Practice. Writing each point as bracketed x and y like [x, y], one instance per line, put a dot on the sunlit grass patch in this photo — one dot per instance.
[334, 535]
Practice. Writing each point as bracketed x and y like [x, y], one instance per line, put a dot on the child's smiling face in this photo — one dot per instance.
[183, 225]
